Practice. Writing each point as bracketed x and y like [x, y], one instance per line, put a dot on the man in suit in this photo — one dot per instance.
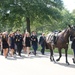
[42, 43]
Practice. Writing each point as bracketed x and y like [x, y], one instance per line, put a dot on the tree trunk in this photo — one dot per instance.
[28, 24]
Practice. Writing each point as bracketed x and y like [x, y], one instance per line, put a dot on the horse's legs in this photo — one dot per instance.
[59, 55]
[51, 55]
[66, 56]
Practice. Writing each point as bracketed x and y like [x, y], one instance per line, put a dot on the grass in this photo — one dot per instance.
[70, 51]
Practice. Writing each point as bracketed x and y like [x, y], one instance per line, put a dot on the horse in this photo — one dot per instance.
[62, 42]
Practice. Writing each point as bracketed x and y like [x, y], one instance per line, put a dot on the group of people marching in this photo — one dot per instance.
[15, 42]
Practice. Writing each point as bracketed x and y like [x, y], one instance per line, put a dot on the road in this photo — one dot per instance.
[35, 65]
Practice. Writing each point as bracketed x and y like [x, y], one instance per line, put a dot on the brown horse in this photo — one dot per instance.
[62, 42]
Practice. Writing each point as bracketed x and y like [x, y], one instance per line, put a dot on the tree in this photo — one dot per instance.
[45, 10]
[68, 19]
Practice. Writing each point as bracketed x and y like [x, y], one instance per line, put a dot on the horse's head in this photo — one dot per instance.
[71, 30]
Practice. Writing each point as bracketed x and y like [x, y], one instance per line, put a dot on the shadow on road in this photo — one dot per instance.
[16, 57]
[65, 65]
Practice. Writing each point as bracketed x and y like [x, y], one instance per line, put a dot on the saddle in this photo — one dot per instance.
[52, 37]
[55, 37]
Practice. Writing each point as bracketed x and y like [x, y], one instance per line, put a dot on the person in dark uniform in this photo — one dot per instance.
[72, 38]
[19, 42]
[34, 42]
[5, 44]
[42, 43]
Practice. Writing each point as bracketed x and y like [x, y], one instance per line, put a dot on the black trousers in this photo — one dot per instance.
[43, 49]
[19, 49]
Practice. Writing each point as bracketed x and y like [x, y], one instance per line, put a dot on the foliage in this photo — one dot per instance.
[12, 12]
[43, 15]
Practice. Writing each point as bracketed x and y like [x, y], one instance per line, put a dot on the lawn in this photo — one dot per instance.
[70, 51]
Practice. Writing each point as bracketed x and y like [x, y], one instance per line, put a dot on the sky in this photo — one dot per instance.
[69, 4]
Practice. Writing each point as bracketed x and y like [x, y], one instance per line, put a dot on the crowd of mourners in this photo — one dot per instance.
[15, 42]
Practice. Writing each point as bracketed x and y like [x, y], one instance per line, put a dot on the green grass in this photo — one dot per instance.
[70, 51]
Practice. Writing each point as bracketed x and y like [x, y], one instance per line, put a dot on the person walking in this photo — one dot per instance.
[34, 42]
[5, 44]
[12, 43]
[19, 42]
[27, 42]
[72, 38]
[42, 43]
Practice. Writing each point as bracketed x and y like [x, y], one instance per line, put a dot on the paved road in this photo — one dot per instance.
[39, 65]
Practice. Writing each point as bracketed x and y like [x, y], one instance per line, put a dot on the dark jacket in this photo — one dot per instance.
[73, 42]
[34, 40]
[19, 40]
[42, 40]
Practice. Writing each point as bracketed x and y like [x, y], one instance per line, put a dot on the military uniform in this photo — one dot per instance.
[34, 43]
[19, 43]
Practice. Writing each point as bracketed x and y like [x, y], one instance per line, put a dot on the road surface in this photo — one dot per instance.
[35, 65]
